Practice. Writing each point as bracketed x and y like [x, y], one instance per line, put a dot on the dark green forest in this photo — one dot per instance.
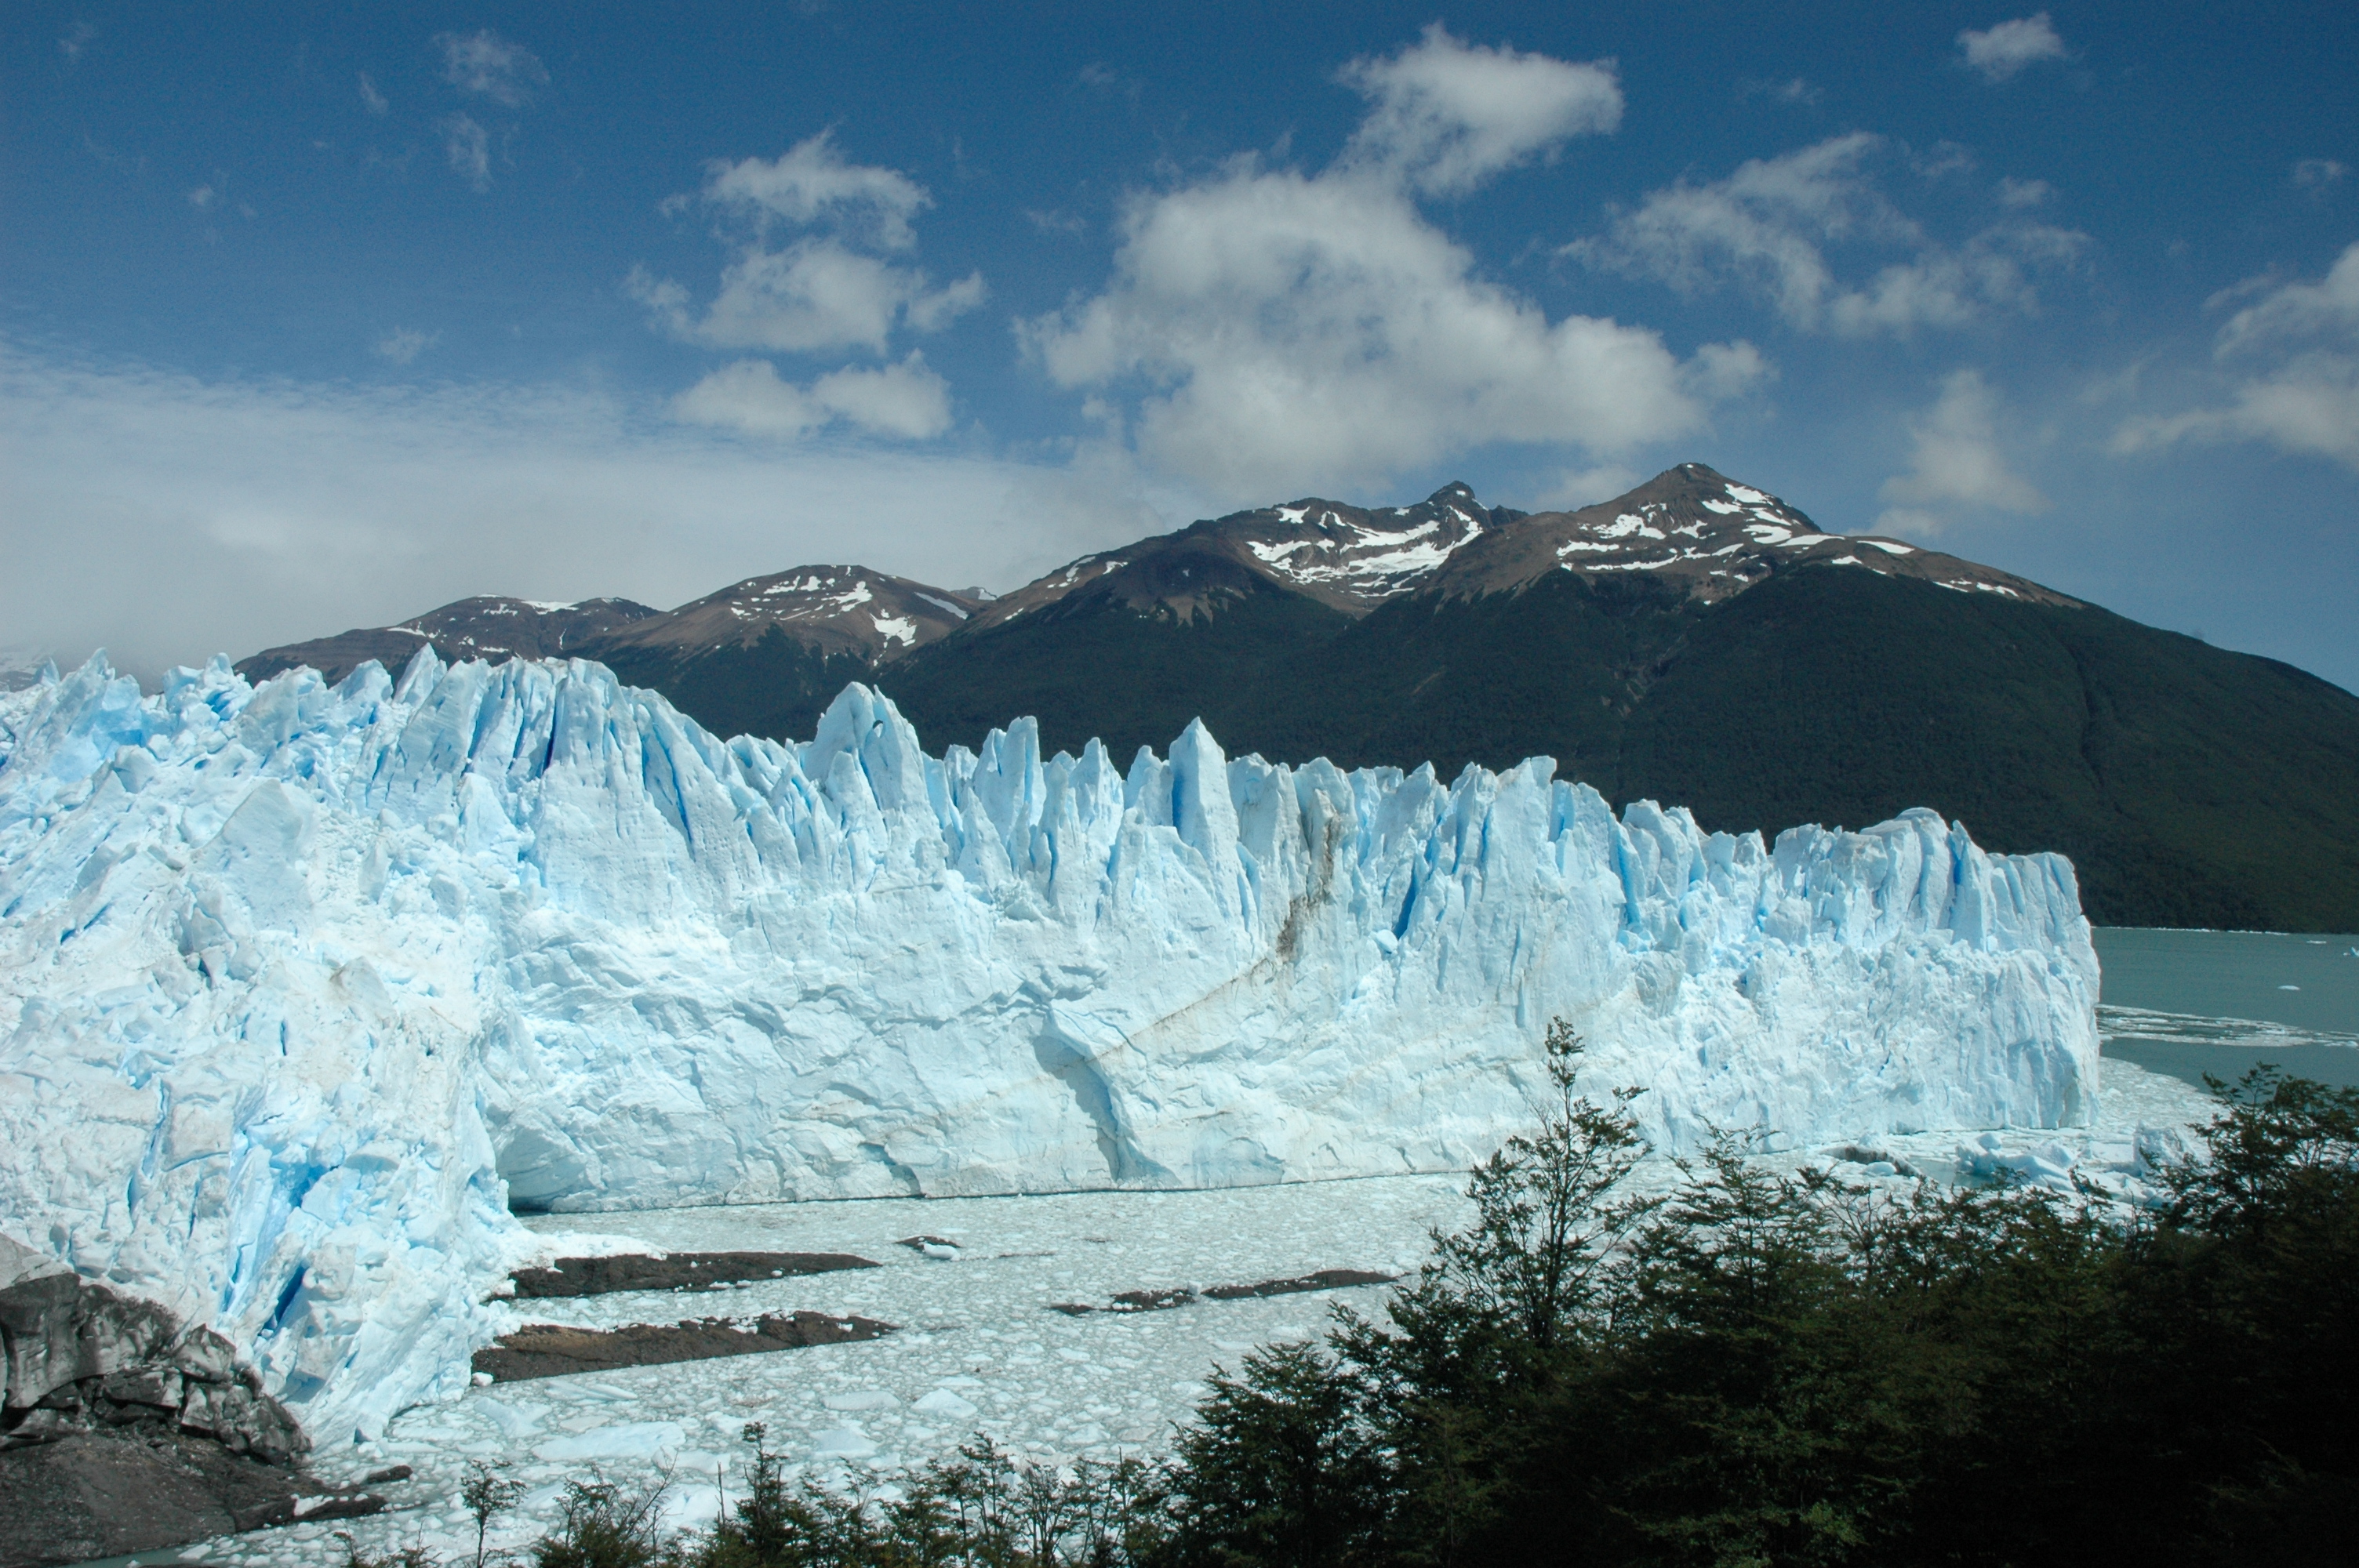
[1752, 1370]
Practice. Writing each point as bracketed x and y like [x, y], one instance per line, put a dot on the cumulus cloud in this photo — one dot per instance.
[1999, 53]
[1446, 116]
[2291, 363]
[2013, 192]
[828, 289]
[905, 400]
[371, 99]
[812, 183]
[1956, 462]
[202, 197]
[280, 510]
[483, 62]
[469, 148]
[1282, 330]
[1769, 228]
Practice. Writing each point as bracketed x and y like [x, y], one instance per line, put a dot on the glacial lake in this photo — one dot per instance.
[2192, 1002]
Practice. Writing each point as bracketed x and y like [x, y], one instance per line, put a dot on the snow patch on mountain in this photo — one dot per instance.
[302, 986]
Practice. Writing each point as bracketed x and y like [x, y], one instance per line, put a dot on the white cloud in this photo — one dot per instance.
[485, 63]
[202, 197]
[2318, 173]
[906, 400]
[1956, 462]
[404, 344]
[76, 39]
[1291, 332]
[810, 183]
[1769, 225]
[1999, 52]
[1446, 116]
[371, 99]
[1274, 332]
[822, 291]
[469, 148]
[2291, 359]
[2013, 192]
[269, 510]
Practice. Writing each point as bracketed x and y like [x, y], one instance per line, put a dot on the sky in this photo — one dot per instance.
[314, 317]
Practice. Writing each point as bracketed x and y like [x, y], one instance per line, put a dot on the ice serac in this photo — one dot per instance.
[302, 988]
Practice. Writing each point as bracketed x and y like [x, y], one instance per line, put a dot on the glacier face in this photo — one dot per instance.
[302, 986]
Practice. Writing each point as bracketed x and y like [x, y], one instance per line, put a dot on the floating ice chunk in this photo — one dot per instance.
[862, 1400]
[843, 1443]
[625, 1440]
[946, 1405]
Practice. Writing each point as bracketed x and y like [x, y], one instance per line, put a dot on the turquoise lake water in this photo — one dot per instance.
[2192, 1002]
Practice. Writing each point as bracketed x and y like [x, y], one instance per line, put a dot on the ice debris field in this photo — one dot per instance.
[306, 991]
[980, 1350]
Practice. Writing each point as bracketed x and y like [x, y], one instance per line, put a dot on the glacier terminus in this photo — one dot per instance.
[306, 989]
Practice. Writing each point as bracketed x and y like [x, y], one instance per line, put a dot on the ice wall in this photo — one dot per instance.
[302, 986]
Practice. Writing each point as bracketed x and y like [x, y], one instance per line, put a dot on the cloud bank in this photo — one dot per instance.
[168, 518]
[1282, 331]
[1776, 228]
[2291, 362]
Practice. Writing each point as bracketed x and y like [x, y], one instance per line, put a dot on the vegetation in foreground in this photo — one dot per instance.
[1757, 1369]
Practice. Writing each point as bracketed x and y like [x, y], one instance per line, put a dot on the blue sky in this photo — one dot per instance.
[312, 316]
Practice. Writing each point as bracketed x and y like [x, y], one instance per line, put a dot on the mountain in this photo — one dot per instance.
[314, 985]
[763, 656]
[759, 657]
[491, 629]
[1697, 641]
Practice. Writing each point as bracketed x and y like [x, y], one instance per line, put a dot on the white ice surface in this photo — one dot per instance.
[301, 987]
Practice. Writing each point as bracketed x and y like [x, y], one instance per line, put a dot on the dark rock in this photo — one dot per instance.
[205, 1355]
[242, 1420]
[679, 1270]
[1162, 1300]
[89, 1494]
[552, 1350]
[160, 1387]
[1324, 1280]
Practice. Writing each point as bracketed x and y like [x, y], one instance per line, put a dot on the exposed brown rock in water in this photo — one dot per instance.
[676, 1270]
[102, 1494]
[1324, 1280]
[552, 1350]
[1159, 1301]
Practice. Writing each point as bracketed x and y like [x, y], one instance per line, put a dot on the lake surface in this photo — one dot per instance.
[2192, 1002]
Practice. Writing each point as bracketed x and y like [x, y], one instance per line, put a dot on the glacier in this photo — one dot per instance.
[305, 990]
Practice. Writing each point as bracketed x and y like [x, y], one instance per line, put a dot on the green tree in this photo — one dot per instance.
[1282, 1468]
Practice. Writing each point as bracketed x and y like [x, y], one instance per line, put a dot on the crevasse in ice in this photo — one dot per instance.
[302, 989]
